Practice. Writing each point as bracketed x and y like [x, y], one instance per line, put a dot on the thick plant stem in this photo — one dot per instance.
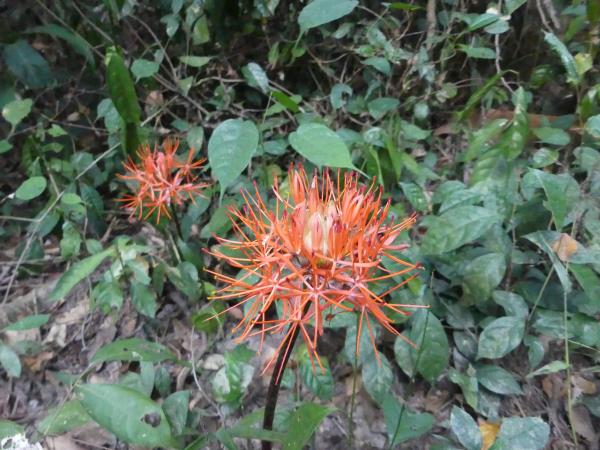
[275, 384]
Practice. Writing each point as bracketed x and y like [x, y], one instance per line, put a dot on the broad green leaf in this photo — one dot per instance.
[176, 408]
[401, 423]
[209, 319]
[515, 138]
[465, 429]
[29, 322]
[497, 380]
[70, 243]
[468, 384]
[121, 88]
[77, 272]
[512, 5]
[336, 95]
[63, 419]
[31, 188]
[562, 193]
[500, 337]
[535, 350]
[318, 381]
[377, 377]
[552, 136]
[26, 64]
[126, 413]
[477, 52]
[513, 304]
[320, 12]
[415, 195]
[381, 106]
[287, 101]
[132, 349]
[79, 44]
[15, 111]
[231, 381]
[553, 367]
[592, 127]
[432, 352]
[379, 63]
[5, 146]
[195, 61]
[528, 433]
[9, 429]
[143, 68]
[303, 422]
[256, 77]
[321, 146]
[195, 137]
[482, 275]
[457, 227]
[230, 149]
[10, 361]
[590, 282]
[144, 299]
[565, 57]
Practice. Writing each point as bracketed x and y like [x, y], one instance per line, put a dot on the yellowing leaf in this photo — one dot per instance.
[489, 431]
[565, 246]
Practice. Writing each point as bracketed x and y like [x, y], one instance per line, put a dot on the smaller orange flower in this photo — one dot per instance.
[161, 180]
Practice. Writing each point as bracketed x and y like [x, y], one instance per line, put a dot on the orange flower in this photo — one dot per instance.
[161, 180]
[318, 253]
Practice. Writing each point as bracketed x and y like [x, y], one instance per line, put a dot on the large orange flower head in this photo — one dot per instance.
[161, 180]
[317, 253]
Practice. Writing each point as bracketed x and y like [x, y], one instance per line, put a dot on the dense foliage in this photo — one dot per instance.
[117, 327]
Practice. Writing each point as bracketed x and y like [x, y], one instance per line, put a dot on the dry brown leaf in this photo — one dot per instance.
[62, 443]
[489, 431]
[35, 363]
[565, 246]
[583, 386]
[582, 423]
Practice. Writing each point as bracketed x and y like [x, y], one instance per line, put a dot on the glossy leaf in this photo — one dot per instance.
[121, 88]
[31, 188]
[565, 56]
[500, 337]
[230, 149]
[63, 419]
[303, 423]
[320, 12]
[321, 146]
[27, 64]
[15, 111]
[29, 322]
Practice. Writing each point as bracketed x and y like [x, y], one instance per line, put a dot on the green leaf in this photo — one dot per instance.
[535, 350]
[195, 61]
[209, 319]
[457, 227]
[256, 77]
[512, 5]
[500, 337]
[26, 64]
[513, 304]
[231, 381]
[381, 106]
[15, 111]
[79, 44]
[528, 433]
[465, 429]
[321, 146]
[144, 299]
[31, 188]
[10, 361]
[121, 88]
[553, 367]
[176, 408]
[544, 240]
[401, 423]
[126, 413]
[377, 377]
[5, 146]
[562, 193]
[482, 275]
[63, 419]
[29, 322]
[565, 57]
[195, 137]
[592, 126]
[468, 385]
[132, 349]
[287, 101]
[303, 422]
[552, 136]
[477, 52]
[318, 381]
[336, 95]
[77, 272]
[230, 149]
[432, 353]
[320, 12]
[9, 429]
[497, 380]
[70, 243]
[143, 68]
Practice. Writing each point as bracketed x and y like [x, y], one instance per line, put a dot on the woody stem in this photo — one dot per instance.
[274, 385]
[176, 220]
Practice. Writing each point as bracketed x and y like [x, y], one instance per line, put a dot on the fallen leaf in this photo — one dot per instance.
[582, 423]
[565, 246]
[489, 431]
[583, 386]
[35, 363]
